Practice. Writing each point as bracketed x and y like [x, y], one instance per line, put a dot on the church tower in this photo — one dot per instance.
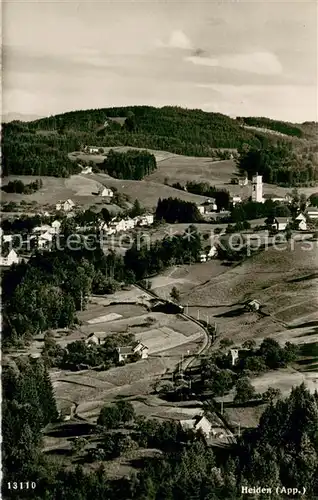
[257, 188]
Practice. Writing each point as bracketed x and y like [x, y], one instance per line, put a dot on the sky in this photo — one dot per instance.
[252, 58]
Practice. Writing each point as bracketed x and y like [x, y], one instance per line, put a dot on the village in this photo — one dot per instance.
[43, 235]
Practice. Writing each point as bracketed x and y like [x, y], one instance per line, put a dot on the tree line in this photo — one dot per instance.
[276, 125]
[175, 210]
[19, 187]
[278, 164]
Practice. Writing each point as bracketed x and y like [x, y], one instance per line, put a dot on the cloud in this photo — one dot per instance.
[262, 63]
[178, 40]
[281, 102]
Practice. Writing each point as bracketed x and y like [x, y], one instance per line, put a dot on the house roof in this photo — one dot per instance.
[7, 252]
[187, 424]
[312, 209]
[254, 301]
[281, 219]
[300, 217]
[98, 335]
[125, 350]
[193, 423]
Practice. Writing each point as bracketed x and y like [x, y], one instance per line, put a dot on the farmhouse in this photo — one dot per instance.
[280, 223]
[105, 192]
[144, 220]
[198, 424]
[253, 305]
[91, 149]
[45, 239]
[87, 170]
[312, 212]
[125, 353]
[208, 206]
[66, 206]
[95, 338]
[301, 222]
[8, 258]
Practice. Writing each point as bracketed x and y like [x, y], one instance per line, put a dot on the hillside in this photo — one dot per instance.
[304, 130]
[40, 147]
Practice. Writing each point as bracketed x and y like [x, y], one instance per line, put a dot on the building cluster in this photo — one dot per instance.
[119, 225]
[124, 353]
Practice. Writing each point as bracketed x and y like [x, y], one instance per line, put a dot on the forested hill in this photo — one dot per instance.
[39, 147]
[307, 130]
[184, 131]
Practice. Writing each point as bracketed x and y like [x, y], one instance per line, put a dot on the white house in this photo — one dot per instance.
[66, 206]
[91, 149]
[253, 305]
[45, 239]
[118, 225]
[280, 223]
[243, 181]
[7, 259]
[209, 205]
[105, 192]
[312, 212]
[56, 226]
[87, 170]
[125, 352]
[212, 252]
[200, 423]
[8, 238]
[95, 338]
[301, 222]
[201, 209]
[203, 257]
[208, 254]
[144, 220]
[129, 223]
[236, 199]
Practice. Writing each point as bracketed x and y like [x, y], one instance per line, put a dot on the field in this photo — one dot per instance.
[171, 168]
[82, 190]
[167, 336]
[147, 192]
